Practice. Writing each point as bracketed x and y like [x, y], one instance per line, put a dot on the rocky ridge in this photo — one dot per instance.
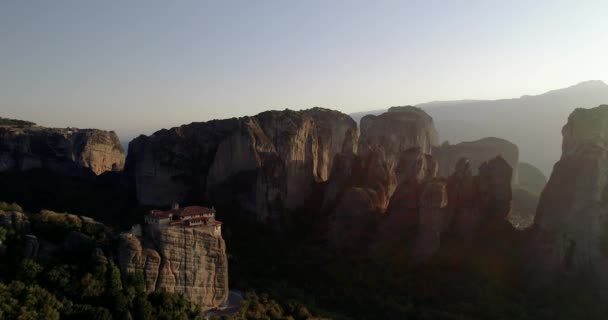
[68, 151]
[267, 163]
[478, 152]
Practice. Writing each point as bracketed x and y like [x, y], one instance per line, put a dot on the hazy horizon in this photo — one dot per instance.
[140, 66]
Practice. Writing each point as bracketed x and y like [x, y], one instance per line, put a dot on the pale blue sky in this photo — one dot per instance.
[137, 66]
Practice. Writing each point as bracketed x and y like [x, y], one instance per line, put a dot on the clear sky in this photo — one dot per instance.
[137, 66]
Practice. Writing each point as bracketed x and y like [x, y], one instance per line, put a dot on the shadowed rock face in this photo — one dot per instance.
[66, 151]
[423, 212]
[571, 232]
[266, 164]
[189, 261]
[391, 189]
[477, 152]
[426, 211]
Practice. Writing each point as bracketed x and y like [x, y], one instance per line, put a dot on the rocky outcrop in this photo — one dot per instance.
[67, 151]
[383, 139]
[479, 203]
[397, 130]
[15, 220]
[426, 211]
[30, 246]
[416, 213]
[571, 230]
[189, 261]
[266, 164]
[477, 152]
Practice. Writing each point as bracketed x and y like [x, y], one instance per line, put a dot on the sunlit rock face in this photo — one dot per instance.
[186, 260]
[384, 137]
[66, 151]
[477, 152]
[571, 230]
[267, 164]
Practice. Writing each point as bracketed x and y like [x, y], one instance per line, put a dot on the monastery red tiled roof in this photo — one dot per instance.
[194, 210]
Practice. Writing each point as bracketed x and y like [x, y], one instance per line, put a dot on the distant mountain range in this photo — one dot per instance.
[532, 122]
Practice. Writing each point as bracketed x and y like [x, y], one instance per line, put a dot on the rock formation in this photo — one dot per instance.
[266, 164]
[67, 151]
[398, 129]
[479, 203]
[383, 138]
[477, 152]
[189, 261]
[416, 213]
[571, 230]
[426, 211]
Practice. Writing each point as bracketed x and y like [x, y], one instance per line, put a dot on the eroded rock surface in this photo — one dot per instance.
[68, 151]
[426, 211]
[266, 164]
[187, 260]
[385, 137]
[571, 229]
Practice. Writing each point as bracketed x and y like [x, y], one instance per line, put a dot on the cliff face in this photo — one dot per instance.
[397, 130]
[61, 150]
[384, 138]
[267, 163]
[392, 190]
[426, 211]
[477, 152]
[190, 261]
[571, 233]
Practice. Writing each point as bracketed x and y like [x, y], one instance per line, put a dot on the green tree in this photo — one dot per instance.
[29, 270]
[169, 306]
[142, 308]
[60, 279]
[3, 233]
[24, 302]
[90, 287]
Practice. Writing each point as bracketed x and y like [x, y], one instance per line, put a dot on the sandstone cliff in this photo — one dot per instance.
[69, 151]
[383, 139]
[266, 164]
[397, 130]
[189, 261]
[571, 233]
